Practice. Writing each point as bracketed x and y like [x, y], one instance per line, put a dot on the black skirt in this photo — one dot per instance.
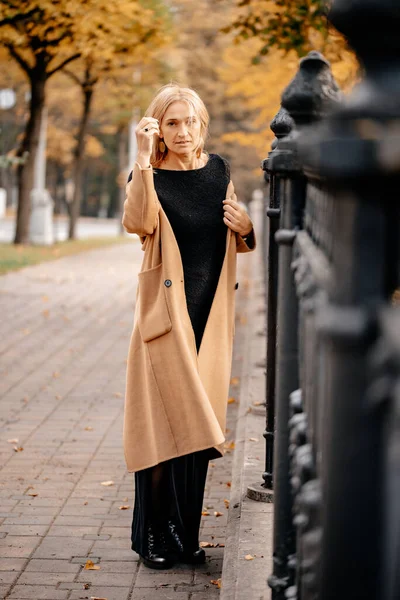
[171, 491]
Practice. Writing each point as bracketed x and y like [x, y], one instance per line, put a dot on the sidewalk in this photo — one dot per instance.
[65, 495]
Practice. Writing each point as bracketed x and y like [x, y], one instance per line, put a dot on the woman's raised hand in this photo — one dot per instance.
[145, 132]
[235, 215]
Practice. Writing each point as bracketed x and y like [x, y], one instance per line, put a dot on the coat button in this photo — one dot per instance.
[167, 283]
[236, 286]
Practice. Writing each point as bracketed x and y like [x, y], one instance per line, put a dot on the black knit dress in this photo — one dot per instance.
[192, 201]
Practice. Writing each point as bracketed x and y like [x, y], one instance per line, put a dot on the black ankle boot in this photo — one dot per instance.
[158, 555]
[192, 557]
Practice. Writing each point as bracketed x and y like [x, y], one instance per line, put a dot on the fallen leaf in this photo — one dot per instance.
[235, 381]
[205, 513]
[124, 507]
[249, 557]
[258, 403]
[46, 313]
[229, 446]
[85, 503]
[254, 439]
[45, 298]
[207, 545]
[212, 465]
[88, 428]
[221, 545]
[26, 331]
[107, 483]
[13, 441]
[117, 395]
[86, 586]
[58, 397]
[216, 582]
[226, 502]
[56, 374]
[90, 566]
[33, 494]
[18, 448]
[97, 598]
[231, 400]
[125, 499]
[229, 484]
[217, 514]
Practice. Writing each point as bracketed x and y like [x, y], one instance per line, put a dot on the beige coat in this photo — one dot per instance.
[176, 398]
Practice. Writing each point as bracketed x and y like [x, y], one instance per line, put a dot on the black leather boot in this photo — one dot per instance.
[192, 557]
[158, 555]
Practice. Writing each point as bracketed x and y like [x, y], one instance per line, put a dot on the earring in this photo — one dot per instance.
[161, 147]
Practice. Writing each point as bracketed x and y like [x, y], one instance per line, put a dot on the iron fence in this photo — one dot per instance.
[333, 395]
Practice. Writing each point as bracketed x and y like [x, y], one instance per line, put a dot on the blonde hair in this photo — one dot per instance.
[168, 94]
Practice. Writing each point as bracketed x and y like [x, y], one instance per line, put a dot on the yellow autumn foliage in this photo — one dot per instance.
[261, 85]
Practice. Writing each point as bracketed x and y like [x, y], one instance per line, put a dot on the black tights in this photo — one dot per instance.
[172, 490]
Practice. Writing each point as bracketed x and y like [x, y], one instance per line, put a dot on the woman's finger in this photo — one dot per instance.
[231, 202]
[230, 224]
[231, 210]
[231, 219]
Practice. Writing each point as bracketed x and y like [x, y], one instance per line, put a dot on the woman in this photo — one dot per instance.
[181, 203]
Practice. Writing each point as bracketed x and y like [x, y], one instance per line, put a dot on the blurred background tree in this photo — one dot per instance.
[94, 62]
[44, 36]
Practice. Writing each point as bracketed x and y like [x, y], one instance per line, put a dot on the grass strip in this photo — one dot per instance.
[14, 257]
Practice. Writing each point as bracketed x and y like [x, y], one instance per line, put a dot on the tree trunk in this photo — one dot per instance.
[29, 145]
[78, 160]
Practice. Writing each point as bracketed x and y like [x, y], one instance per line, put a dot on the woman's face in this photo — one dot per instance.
[180, 128]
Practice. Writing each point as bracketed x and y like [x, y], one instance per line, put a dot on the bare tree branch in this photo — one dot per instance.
[63, 64]
[74, 77]
[20, 60]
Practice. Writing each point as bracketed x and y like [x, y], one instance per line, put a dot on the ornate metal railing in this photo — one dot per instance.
[333, 267]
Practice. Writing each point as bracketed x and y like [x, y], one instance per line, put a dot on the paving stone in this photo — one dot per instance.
[18, 546]
[8, 577]
[37, 592]
[108, 579]
[25, 520]
[62, 547]
[71, 531]
[116, 554]
[12, 564]
[82, 559]
[3, 590]
[110, 593]
[44, 565]
[160, 594]
[22, 530]
[41, 578]
[145, 579]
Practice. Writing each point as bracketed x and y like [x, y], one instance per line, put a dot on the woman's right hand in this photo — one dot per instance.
[145, 132]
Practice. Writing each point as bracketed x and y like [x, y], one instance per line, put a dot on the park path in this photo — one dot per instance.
[64, 335]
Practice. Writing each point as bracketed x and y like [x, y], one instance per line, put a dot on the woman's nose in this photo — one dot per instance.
[183, 130]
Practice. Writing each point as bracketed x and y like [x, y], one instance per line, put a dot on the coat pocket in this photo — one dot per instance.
[153, 319]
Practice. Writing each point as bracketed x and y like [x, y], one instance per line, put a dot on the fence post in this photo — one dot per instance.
[281, 126]
[356, 155]
[305, 99]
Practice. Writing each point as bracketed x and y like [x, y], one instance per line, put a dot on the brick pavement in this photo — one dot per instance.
[64, 337]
